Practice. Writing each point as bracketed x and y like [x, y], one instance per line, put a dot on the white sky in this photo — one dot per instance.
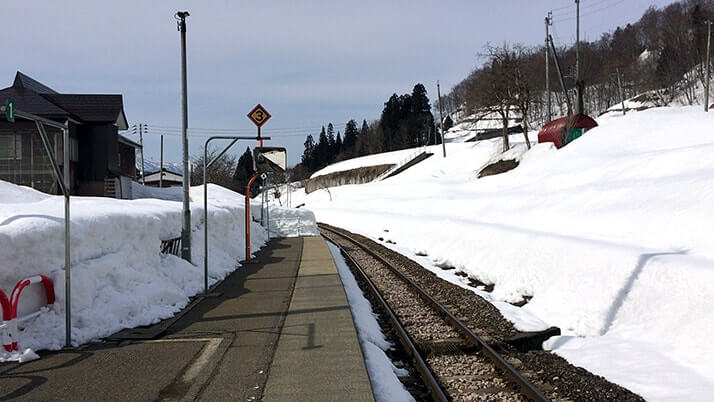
[307, 62]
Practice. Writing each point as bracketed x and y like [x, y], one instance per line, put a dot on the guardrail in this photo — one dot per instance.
[9, 326]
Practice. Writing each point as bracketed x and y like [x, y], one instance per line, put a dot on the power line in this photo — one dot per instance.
[590, 10]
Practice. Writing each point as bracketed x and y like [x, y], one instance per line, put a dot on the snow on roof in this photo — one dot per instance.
[151, 167]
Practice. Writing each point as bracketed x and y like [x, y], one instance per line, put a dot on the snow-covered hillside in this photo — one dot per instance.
[385, 158]
[119, 277]
[611, 237]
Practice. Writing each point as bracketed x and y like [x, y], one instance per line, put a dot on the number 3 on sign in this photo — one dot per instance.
[259, 115]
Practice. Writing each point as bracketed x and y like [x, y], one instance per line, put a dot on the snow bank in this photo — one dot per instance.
[382, 372]
[291, 222]
[608, 235]
[119, 277]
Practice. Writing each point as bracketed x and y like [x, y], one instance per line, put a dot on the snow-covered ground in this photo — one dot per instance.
[369, 160]
[382, 372]
[119, 277]
[611, 237]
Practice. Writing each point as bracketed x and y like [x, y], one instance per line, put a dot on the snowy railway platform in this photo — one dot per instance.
[279, 328]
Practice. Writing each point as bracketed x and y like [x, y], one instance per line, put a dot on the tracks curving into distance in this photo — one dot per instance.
[453, 361]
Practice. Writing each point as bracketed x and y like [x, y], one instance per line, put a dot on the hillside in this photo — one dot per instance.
[606, 238]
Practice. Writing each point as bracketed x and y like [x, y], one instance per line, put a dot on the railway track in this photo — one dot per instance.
[453, 362]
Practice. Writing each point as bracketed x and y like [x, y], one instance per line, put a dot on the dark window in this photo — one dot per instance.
[10, 147]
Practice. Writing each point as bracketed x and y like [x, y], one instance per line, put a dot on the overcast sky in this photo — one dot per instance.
[307, 62]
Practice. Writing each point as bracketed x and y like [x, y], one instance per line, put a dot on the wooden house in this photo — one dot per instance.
[101, 160]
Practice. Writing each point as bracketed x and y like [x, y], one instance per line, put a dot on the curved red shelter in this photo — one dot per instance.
[564, 130]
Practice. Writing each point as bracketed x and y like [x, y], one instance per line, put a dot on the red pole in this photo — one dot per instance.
[247, 216]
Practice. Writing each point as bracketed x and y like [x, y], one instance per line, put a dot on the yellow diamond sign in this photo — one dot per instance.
[259, 115]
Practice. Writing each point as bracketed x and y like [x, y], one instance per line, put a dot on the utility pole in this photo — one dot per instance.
[622, 95]
[707, 65]
[141, 142]
[161, 164]
[441, 119]
[577, 40]
[548, 23]
[186, 226]
[560, 75]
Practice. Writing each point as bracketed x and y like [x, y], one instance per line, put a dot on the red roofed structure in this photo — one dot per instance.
[564, 130]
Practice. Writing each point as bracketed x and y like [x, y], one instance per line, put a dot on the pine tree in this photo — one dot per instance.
[331, 155]
[364, 145]
[322, 151]
[389, 121]
[308, 155]
[244, 171]
[338, 145]
[350, 141]
[420, 118]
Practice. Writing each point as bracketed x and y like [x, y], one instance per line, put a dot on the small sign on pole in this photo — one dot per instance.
[10, 110]
[259, 116]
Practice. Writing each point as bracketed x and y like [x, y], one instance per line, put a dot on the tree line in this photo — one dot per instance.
[406, 121]
[660, 57]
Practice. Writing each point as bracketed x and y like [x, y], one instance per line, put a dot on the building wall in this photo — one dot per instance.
[127, 158]
[23, 158]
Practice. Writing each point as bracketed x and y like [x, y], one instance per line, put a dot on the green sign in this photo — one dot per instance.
[10, 110]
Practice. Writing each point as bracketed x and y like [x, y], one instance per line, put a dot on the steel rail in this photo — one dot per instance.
[422, 367]
[526, 387]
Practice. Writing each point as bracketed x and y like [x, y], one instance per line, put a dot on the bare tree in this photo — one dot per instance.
[221, 172]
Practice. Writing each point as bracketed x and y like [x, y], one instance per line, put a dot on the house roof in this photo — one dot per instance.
[23, 81]
[93, 108]
[128, 142]
[30, 101]
[151, 167]
[34, 97]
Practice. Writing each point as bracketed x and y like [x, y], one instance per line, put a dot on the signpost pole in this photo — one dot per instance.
[67, 273]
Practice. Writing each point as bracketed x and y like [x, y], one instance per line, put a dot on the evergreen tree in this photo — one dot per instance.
[244, 171]
[331, 155]
[420, 119]
[338, 144]
[389, 121]
[350, 141]
[322, 151]
[308, 155]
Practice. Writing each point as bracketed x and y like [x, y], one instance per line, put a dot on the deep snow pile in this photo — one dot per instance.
[611, 237]
[119, 277]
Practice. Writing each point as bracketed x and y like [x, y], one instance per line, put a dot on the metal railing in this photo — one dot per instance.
[171, 246]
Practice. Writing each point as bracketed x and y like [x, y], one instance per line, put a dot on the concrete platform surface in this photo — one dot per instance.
[318, 357]
[289, 304]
